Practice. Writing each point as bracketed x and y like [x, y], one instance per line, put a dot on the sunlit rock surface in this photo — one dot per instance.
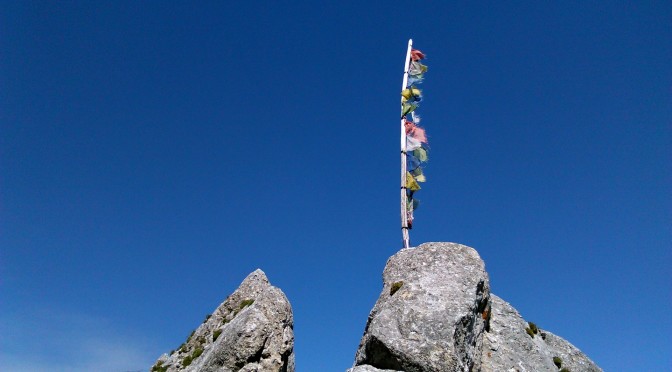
[252, 330]
[436, 314]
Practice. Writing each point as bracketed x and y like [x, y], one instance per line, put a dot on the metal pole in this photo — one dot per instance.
[404, 216]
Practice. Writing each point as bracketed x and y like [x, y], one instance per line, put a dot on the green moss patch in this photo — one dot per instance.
[187, 360]
[159, 367]
[529, 331]
[395, 287]
[245, 303]
[197, 353]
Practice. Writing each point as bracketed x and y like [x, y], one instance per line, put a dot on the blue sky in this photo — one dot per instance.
[153, 154]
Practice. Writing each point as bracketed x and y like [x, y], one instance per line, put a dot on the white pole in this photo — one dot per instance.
[404, 217]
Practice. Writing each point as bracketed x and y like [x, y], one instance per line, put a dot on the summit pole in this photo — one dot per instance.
[406, 240]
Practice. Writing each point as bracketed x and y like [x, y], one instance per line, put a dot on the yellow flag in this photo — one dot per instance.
[411, 184]
[410, 92]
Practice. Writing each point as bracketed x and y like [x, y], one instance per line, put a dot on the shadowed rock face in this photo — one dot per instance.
[436, 314]
[252, 330]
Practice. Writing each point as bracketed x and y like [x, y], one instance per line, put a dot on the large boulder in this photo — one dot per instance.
[512, 344]
[436, 314]
[431, 313]
[252, 330]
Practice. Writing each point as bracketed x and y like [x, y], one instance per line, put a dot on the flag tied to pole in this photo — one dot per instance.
[416, 138]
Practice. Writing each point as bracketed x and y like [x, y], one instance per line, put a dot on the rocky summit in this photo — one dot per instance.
[436, 314]
[430, 314]
[251, 331]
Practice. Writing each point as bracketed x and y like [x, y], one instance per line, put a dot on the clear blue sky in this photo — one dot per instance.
[152, 154]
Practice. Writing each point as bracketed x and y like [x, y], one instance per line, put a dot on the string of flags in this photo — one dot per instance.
[416, 138]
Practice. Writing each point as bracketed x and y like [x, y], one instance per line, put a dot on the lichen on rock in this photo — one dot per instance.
[435, 322]
[444, 319]
[252, 330]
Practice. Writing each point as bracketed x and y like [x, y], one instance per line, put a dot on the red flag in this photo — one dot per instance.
[415, 131]
[417, 55]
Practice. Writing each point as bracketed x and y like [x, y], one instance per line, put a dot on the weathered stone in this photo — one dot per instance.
[508, 347]
[251, 331]
[436, 314]
[429, 316]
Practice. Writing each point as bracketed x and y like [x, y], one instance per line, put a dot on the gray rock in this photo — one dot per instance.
[508, 347]
[432, 318]
[441, 317]
[251, 331]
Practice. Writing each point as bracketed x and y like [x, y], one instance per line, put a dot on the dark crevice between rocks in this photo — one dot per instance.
[462, 341]
[487, 314]
[285, 360]
[254, 358]
[379, 356]
[368, 323]
[479, 287]
[483, 304]
[464, 338]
